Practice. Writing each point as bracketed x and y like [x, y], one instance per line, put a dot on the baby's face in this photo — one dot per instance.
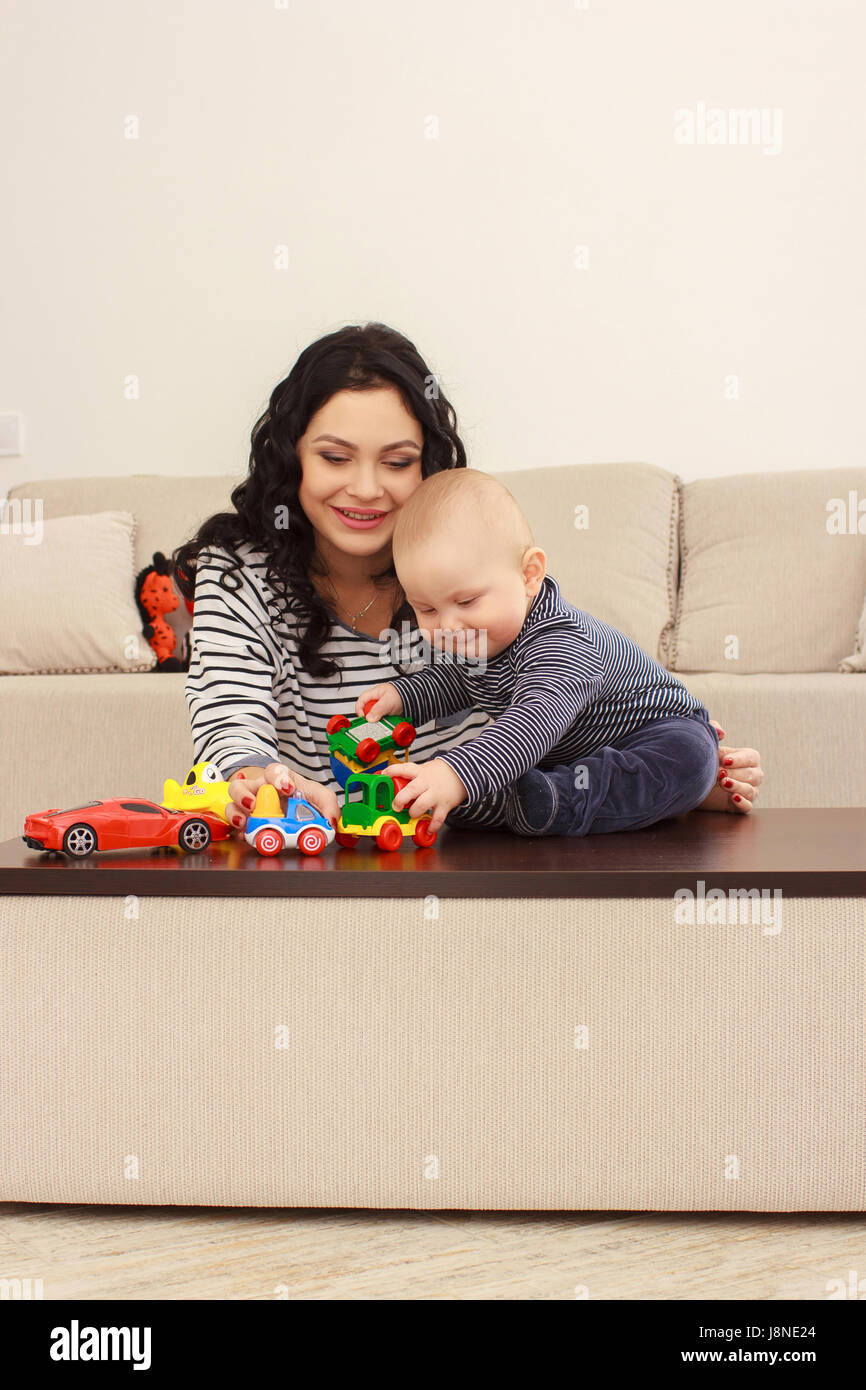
[462, 598]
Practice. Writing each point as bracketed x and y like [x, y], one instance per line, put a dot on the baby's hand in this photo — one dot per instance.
[379, 700]
[433, 787]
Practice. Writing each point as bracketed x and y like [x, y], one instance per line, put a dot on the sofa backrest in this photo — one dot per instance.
[764, 557]
[609, 530]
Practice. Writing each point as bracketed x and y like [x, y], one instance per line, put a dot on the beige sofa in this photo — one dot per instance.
[554, 1053]
[735, 583]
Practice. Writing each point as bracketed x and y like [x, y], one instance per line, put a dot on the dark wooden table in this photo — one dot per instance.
[805, 853]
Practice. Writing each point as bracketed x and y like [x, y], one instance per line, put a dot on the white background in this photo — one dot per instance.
[307, 126]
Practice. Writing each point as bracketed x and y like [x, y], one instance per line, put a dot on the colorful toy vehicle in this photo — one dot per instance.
[368, 810]
[356, 745]
[121, 823]
[270, 829]
[203, 790]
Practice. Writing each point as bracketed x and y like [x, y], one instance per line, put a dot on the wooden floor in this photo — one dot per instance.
[262, 1253]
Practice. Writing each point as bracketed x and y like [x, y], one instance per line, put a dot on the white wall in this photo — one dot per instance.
[308, 125]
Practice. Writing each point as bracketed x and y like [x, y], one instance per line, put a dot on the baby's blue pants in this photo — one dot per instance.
[663, 769]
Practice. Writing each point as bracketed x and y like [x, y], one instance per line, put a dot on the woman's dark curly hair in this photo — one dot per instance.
[357, 358]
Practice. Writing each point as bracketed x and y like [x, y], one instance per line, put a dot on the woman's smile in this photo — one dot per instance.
[358, 518]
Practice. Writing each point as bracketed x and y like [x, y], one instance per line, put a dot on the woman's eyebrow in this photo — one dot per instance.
[398, 444]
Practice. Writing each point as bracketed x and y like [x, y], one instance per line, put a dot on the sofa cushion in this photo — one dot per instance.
[68, 599]
[167, 510]
[773, 572]
[820, 715]
[609, 533]
[822, 712]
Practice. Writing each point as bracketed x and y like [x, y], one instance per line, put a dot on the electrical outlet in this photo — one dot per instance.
[10, 435]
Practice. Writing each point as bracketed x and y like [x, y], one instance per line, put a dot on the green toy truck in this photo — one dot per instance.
[368, 810]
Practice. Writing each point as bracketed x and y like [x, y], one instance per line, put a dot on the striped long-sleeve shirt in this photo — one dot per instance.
[567, 685]
[249, 698]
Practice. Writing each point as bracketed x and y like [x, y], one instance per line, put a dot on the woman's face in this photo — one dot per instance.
[360, 459]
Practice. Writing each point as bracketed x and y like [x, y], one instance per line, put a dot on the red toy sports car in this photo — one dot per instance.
[129, 823]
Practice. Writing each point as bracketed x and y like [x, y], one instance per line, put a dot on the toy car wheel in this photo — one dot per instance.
[194, 835]
[79, 840]
[423, 835]
[403, 734]
[367, 751]
[390, 835]
[345, 839]
[268, 840]
[312, 840]
[336, 723]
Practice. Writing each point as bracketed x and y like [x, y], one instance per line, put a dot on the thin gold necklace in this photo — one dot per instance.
[353, 616]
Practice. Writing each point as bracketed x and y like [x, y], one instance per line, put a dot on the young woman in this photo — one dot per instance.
[294, 586]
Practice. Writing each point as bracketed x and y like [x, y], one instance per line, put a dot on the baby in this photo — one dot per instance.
[589, 733]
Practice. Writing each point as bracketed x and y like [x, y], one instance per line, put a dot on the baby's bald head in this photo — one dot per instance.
[466, 507]
[464, 554]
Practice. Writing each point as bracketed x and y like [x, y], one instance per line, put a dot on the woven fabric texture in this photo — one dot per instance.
[432, 1053]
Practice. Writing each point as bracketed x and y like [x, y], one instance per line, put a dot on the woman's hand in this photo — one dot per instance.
[245, 783]
[385, 700]
[740, 776]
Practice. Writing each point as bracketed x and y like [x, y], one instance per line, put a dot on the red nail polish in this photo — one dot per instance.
[727, 782]
[248, 800]
[240, 776]
[738, 798]
[728, 762]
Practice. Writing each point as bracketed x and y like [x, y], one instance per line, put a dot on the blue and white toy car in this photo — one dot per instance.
[271, 830]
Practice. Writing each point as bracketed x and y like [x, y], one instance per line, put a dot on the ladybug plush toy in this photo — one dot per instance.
[155, 596]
